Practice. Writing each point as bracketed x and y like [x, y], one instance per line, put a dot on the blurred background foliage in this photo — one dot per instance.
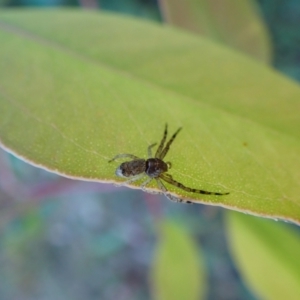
[64, 239]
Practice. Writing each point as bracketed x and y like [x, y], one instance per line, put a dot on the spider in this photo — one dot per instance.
[155, 168]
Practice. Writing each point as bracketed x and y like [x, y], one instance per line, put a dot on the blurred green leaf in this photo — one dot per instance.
[232, 22]
[78, 87]
[267, 254]
[178, 272]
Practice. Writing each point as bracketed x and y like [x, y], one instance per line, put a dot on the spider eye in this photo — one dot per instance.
[119, 172]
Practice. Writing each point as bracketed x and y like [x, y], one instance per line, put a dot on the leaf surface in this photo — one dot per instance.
[178, 271]
[78, 87]
[232, 22]
[267, 254]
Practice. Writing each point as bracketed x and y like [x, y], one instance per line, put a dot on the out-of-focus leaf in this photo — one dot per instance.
[178, 271]
[267, 254]
[77, 88]
[233, 22]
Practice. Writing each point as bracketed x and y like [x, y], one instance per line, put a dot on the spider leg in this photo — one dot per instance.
[168, 178]
[162, 142]
[134, 178]
[149, 150]
[166, 149]
[166, 193]
[146, 183]
[123, 155]
[143, 185]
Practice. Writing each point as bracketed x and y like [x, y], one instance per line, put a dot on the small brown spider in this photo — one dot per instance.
[155, 168]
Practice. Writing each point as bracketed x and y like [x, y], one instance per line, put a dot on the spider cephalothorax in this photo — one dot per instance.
[155, 168]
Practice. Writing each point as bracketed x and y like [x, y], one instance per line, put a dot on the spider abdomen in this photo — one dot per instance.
[131, 168]
[155, 166]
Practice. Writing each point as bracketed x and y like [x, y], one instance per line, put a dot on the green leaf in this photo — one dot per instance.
[78, 87]
[232, 22]
[267, 254]
[177, 272]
